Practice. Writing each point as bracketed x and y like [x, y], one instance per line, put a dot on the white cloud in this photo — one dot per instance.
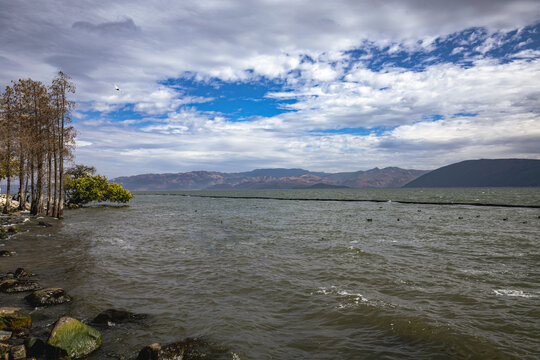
[397, 97]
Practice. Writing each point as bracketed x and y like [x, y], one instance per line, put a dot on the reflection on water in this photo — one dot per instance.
[303, 280]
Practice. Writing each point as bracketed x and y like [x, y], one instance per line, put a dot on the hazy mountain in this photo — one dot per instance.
[483, 173]
[270, 179]
[194, 180]
[279, 173]
[376, 178]
[271, 182]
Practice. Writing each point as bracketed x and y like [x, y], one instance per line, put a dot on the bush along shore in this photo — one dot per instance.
[66, 337]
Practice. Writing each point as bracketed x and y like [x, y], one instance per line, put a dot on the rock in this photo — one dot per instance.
[13, 318]
[17, 352]
[4, 335]
[4, 351]
[71, 339]
[188, 349]
[112, 316]
[8, 275]
[43, 223]
[13, 229]
[116, 356]
[13, 285]
[34, 347]
[21, 273]
[49, 296]
[5, 253]
[20, 332]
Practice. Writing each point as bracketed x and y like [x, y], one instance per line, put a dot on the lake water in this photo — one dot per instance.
[294, 279]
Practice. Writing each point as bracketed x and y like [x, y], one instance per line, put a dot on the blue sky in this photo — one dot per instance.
[326, 86]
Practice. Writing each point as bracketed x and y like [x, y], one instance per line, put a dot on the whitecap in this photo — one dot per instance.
[356, 296]
[514, 293]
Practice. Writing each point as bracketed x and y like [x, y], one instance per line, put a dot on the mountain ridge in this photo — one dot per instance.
[482, 173]
[275, 178]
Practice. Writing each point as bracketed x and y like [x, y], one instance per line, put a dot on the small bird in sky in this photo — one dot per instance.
[116, 87]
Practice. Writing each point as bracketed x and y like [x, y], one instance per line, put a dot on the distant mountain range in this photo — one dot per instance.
[270, 179]
[470, 173]
[483, 173]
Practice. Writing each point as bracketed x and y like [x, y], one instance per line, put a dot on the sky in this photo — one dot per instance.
[330, 86]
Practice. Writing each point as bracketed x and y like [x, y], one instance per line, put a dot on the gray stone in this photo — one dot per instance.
[49, 296]
[17, 352]
[188, 349]
[113, 316]
[21, 273]
[4, 335]
[13, 285]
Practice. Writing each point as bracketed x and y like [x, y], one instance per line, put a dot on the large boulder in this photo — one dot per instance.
[188, 349]
[13, 318]
[114, 316]
[13, 285]
[71, 339]
[49, 296]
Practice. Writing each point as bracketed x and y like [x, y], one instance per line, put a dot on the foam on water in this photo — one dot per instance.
[513, 293]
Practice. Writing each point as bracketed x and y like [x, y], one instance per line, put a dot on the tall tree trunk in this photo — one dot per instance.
[26, 188]
[38, 208]
[7, 205]
[8, 176]
[61, 165]
[22, 192]
[33, 190]
[56, 195]
[49, 183]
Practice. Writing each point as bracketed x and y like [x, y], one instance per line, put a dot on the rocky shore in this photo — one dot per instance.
[14, 204]
[65, 337]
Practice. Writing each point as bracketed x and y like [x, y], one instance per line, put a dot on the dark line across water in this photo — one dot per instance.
[356, 200]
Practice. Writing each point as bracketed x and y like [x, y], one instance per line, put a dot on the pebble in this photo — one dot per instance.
[4, 335]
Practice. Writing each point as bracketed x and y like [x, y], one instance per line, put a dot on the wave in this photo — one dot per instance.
[408, 330]
[513, 293]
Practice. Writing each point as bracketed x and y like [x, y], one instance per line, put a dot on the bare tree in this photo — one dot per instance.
[36, 136]
[7, 148]
[61, 86]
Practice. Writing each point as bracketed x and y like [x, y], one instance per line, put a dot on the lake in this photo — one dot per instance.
[303, 279]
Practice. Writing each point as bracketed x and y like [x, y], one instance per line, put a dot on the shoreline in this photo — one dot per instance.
[33, 340]
[360, 200]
